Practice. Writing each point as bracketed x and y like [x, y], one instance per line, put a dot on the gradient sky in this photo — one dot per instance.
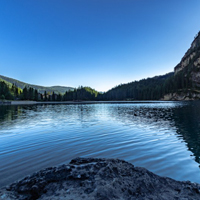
[96, 43]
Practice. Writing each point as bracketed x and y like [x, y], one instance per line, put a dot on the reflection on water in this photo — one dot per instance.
[164, 137]
[187, 122]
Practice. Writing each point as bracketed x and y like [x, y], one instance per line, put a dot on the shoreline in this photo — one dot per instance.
[97, 179]
[76, 102]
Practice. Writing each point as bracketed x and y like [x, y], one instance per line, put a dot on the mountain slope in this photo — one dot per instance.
[189, 65]
[187, 75]
[183, 84]
[145, 89]
[41, 89]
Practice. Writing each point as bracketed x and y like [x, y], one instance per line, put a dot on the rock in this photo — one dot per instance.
[97, 179]
[182, 96]
[190, 63]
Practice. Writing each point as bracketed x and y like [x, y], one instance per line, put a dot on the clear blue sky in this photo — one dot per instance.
[97, 43]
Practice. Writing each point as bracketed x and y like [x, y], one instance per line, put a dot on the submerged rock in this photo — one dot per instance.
[99, 179]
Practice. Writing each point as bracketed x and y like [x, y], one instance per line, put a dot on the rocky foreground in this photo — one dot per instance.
[99, 179]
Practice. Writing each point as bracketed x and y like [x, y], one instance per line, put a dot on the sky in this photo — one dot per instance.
[96, 43]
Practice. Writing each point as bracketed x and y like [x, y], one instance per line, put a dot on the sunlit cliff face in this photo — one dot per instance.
[191, 58]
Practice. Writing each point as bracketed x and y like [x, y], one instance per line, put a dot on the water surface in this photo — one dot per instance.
[163, 137]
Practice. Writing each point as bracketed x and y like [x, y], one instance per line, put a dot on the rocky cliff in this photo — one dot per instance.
[190, 63]
[99, 179]
[185, 84]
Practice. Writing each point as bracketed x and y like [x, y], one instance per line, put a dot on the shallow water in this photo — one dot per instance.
[163, 137]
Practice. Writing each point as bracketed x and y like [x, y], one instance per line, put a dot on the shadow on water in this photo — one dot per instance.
[187, 122]
[11, 116]
[9, 113]
[182, 117]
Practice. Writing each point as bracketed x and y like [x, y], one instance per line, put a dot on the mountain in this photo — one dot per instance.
[145, 89]
[183, 84]
[187, 74]
[190, 63]
[41, 89]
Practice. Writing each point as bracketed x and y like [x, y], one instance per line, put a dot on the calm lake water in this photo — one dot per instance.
[163, 137]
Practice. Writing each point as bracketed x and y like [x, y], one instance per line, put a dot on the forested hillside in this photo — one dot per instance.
[8, 92]
[152, 88]
[40, 89]
[82, 93]
[5, 91]
[146, 89]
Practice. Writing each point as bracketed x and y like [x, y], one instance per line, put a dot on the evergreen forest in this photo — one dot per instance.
[146, 89]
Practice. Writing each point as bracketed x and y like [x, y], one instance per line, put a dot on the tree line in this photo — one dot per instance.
[147, 89]
[152, 88]
[29, 93]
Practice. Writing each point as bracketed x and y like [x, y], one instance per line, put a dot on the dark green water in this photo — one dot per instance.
[163, 137]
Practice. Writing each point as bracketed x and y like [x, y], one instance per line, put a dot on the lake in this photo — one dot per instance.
[163, 137]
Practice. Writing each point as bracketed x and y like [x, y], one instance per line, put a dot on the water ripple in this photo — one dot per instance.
[162, 137]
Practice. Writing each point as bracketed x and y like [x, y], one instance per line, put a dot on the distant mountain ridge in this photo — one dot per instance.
[41, 89]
